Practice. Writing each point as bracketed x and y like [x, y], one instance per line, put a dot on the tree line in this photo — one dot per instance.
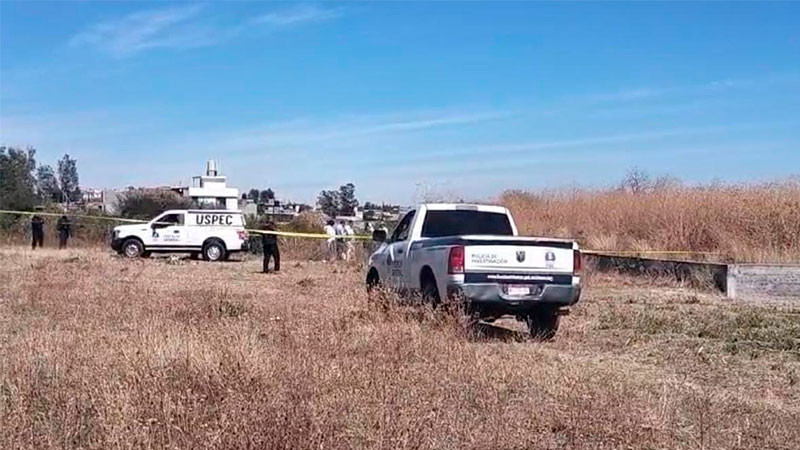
[24, 185]
[259, 196]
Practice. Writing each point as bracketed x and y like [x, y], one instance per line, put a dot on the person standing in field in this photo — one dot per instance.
[349, 244]
[269, 243]
[64, 231]
[330, 231]
[37, 232]
[339, 229]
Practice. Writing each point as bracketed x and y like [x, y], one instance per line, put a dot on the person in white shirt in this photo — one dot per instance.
[349, 244]
[331, 242]
[340, 246]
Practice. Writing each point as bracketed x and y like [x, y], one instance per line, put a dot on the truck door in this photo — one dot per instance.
[168, 230]
[397, 251]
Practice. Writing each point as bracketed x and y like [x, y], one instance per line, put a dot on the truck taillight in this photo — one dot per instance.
[455, 263]
[577, 262]
[242, 235]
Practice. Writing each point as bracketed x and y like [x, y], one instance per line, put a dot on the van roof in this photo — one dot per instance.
[204, 211]
[213, 211]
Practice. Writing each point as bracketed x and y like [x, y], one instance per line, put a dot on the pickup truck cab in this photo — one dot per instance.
[473, 254]
[214, 234]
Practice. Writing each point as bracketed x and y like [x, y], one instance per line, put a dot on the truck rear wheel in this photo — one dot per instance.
[543, 324]
[373, 281]
[214, 250]
[430, 291]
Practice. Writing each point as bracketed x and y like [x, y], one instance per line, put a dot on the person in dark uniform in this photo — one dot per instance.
[269, 242]
[37, 232]
[64, 231]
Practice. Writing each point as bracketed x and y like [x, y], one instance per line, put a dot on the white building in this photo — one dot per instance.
[211, 190]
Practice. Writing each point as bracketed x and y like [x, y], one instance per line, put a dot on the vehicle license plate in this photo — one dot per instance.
[518, 290]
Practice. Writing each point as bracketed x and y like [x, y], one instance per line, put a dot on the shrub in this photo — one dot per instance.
[146, 204]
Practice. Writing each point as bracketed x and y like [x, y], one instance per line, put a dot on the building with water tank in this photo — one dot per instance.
[211, 190]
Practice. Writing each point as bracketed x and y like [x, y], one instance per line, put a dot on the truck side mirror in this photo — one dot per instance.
[379, 235]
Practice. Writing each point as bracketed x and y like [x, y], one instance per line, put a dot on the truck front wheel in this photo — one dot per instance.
[543, 324]
[132, 248]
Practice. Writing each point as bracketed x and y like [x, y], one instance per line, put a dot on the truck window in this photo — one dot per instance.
[455, 223]
[403, 228]
[168, 220]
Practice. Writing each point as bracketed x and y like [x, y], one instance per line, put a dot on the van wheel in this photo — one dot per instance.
[543, 324]
[132, 248]
[214, 251]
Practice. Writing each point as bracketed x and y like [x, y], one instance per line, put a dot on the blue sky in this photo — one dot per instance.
[404, 99]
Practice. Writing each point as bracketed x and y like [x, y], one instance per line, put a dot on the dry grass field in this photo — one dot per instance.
[742, 223]
[98, 352]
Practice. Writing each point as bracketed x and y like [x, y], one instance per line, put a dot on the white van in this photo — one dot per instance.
[215, 234]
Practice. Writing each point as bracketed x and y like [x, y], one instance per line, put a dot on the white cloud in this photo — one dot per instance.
[623, 95]
[296, 16]
[643, 94]
[185, 27]
[161, 28]
[501, 151]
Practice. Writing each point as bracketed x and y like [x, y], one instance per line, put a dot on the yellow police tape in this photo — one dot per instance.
[119, 219]
[30, 213]
[357, 236]
[649, 252]
[310, 235]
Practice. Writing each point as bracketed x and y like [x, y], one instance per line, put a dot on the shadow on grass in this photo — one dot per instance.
[487, 332]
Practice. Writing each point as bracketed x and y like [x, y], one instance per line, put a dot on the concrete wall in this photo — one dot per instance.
[760, 281]
[741, 281]
[699, 273]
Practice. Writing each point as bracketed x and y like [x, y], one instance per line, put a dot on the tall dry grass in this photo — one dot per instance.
[737, 222]
[100, 352]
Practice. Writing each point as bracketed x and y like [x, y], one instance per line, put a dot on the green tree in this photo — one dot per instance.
[253, 194]
[17, 183]
[47, 185]
[341, 202]
[347, 199]
[328, 202]
[68, 179]
[266, 195]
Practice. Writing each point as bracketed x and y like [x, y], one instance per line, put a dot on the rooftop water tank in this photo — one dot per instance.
[211, 168]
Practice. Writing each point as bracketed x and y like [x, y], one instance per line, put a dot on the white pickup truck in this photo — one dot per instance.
[215, 234]
[472, 253]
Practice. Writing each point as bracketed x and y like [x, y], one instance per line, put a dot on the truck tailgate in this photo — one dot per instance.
[518, 258]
